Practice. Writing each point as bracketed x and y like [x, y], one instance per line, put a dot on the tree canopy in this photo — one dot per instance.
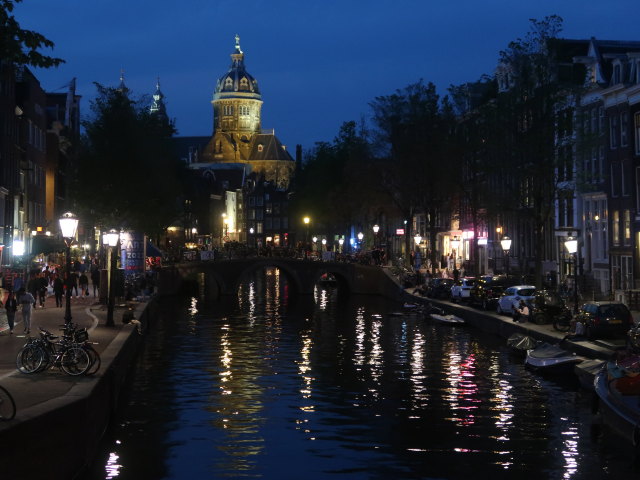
[19, 46]
[127, 175]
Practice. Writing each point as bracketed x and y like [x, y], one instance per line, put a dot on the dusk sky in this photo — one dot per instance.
[318, 64]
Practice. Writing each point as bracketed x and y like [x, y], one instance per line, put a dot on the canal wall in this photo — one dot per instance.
[58, 438]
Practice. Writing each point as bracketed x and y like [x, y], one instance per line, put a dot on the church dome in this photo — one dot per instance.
[237, 82]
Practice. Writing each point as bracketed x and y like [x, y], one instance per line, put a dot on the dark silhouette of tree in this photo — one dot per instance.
[19, 46]
[415, 132]
[127, 174]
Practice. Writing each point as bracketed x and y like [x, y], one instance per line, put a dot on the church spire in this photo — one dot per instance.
[157, 106]
[237, 57]
[122, 87]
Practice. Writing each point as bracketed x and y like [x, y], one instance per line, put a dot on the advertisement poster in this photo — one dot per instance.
[132, 253]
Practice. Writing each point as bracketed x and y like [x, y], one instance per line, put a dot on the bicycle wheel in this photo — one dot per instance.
[7, 405]
[30, 359]
[75, 361]
[94, 357]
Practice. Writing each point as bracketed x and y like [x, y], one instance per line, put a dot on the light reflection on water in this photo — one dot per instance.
[277, 389]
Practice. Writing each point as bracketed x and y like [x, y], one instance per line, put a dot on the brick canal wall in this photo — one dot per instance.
[58, 438]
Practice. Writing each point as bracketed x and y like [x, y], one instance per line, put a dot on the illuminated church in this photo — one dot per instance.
[237, 134]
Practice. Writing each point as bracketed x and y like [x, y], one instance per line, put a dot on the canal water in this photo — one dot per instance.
[276, 387]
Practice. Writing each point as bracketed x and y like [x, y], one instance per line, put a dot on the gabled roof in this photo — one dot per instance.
[267, 147]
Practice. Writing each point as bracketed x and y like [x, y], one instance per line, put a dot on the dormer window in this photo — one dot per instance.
[617, 78]
[228, 82]
[260, 147]
[244, 83]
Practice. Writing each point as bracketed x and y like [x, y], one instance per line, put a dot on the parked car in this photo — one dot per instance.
[439, 288]
[601, 319]
[487, 290]
[511, 297]
[460, 290]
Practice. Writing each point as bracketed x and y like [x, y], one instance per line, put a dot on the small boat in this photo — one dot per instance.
[452, 319]
[519, 344]
[586, 372]
[551, 359]
[618, 390]
[411, 306]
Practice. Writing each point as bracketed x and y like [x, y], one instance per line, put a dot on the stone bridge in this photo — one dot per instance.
[223, 277]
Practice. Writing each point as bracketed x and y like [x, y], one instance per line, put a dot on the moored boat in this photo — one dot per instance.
[586, 372]
[550, 358]
[618, 388]
[452, 319]
[519, 344]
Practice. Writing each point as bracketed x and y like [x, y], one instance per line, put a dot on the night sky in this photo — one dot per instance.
[318, 63]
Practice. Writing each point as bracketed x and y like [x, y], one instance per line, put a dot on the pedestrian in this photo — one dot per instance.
[33, 285]
[521, 315]
[11, 306]
[42, 290]
[95, 279]
[84, 284]
[26, 301]
[73, 283]
[58, 289]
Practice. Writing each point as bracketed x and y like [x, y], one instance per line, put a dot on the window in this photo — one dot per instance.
[627, 227]
[637, 189]
[594, 120]
[259, 228]
[616, 74]
[244, 110]
[260, 147]
[616, 179]
[268, 224]
[228, 109]
[601, 120]
[259, 201]
[613, 131]
[252, 201]
[624, 125]
[616, 228]
[626, 178]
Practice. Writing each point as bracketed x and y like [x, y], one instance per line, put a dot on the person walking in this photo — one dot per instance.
[11, 306]
[43, 283]
[84, 284]
[58, 289]
[95, 279]
[27, 301]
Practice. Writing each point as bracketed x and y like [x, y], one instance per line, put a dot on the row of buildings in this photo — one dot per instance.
[596, 180]
[39, 133]
[243, 176]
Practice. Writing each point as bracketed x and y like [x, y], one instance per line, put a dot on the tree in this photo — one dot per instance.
[414, 130]
[127, 175]
[19, 46]
[534, 105]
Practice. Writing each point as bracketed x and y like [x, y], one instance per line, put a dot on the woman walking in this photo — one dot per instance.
[11, 305]
[27, 301]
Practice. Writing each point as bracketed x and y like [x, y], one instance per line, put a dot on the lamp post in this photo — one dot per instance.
[324, 244]
[341, 242]
[68, 227]
[113, 238]
[376, 229]
[315, 243]
[306, 221]
[506, 246]
[571, 244]
[360, 237]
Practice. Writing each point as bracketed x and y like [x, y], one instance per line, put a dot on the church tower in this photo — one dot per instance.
[237, 132]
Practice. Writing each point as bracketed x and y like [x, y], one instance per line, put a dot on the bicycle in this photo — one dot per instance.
[7, 405]
[80, 336]
[40, 354]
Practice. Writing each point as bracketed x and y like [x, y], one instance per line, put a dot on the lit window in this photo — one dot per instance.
[260, 147]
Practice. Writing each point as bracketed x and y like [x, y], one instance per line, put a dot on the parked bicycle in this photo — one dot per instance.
[80, 336]
[7, 405]
[45, 352]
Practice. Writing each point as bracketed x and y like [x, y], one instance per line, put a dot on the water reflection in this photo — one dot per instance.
[279, 388]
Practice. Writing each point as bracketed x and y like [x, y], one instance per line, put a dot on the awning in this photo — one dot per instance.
[46, 244]
[153, 251]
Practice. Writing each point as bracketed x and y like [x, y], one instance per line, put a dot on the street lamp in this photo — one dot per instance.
[571, 244]
[506, 246]
[315, 243]
[360, 237]
[112, 238]
[68, 227]
[376, 229]
[324, 244]
[341, 242]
